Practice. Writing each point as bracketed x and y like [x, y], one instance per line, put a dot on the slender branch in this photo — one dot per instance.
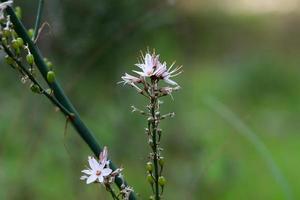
[38, 19]
[43, 91]
[77, 123]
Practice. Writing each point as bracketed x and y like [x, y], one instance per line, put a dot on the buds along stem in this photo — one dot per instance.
[58, 92]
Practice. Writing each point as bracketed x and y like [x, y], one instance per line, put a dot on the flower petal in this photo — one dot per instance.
[91, 179]
[167, 80]
[93, 163]
[100, 179]
[83, 177]
[106, 171]
[148, 59]
[87, 171]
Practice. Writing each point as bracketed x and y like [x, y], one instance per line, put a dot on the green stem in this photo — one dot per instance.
[77, 123]
[38, 19]
[154, 126]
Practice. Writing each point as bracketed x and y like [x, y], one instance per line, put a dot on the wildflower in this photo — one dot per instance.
[129, 79]
[165, 74]
[98, 171]
[3, 6]
[149, 66]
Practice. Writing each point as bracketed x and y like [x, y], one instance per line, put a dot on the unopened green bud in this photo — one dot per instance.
[6, 32]
[4, 41]
[18, 12]
[30, 32]
[161, 161]
[9, 60]
[50, 76]
[151, 198]
[15, 34]
[149, 167]
[162, 181]
[35, 88]
[49, 64]
[20, 42]
[150, 179]
[15, 44]
[30, 59]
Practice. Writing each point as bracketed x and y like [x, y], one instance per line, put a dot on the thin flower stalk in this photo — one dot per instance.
[150, 73]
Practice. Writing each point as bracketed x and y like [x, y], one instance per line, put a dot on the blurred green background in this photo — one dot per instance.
[244, 54]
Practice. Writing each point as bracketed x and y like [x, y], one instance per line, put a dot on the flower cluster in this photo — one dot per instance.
[151, 67]
[152, 70]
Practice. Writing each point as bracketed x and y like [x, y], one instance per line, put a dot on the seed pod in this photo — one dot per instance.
[6, 32]
[49, 64]
[9, 60]
[162, 181]
[18, 12]
[20, 42]
[149, 167]
[30, 59]
[30, 32]
[150, 179]
[4, 41]
[50, 76]
[161, 161]
[15, 44]
[151, 198]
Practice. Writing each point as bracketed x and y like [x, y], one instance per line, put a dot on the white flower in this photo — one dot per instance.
[152, 67]
[129, 79]
[149, 65]
[97, 171]
[3, 6]
[165, 74]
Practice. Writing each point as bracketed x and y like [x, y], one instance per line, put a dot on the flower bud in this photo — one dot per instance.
[149, 167]
[9, 60]
[49, 64]
[20, 42]
[15, 44]
[4, 41]
[18, 12]
[14, 33]
[30, 59]
[151, 198]
[162, 181]
[150, 179]
[30, 32]
[6, 32]
[161, 161]
[35, 88]
[50, 76]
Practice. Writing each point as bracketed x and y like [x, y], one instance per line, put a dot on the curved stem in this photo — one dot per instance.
[59, 94]
[45, 93]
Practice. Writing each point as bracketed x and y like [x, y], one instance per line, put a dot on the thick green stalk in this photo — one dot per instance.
[77, 123]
